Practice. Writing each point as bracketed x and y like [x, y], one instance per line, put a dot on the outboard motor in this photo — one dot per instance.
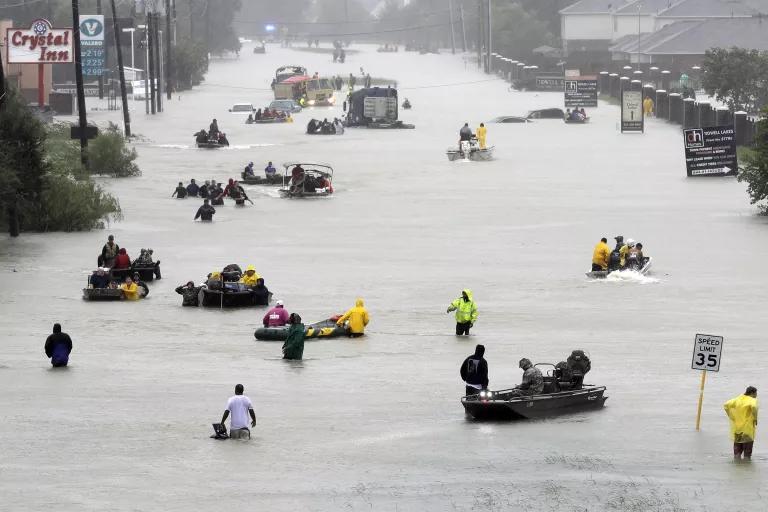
[464, 147]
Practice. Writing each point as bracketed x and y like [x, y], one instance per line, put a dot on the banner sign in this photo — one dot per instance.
[710, 151]
[39, 44]
[632, 111]
[549, 83]
[581, 92]
[92, 52]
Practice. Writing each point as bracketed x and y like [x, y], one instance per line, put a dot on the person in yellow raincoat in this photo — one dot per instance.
[250, 276]
[481, 133]
[357, 319]
[466, 312]
[601, 255]
[130, 289]
[742, 411]
[648, 106]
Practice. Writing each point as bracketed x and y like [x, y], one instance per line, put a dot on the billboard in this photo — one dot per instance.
[710, 151]
[581, 91]
[549, 83]
[39, 44]
[632, 111]
[92, 52]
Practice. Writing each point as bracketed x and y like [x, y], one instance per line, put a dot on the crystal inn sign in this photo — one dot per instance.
[39, 44]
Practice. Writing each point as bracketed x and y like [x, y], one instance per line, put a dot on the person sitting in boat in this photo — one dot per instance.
[326, 127]
[250, 119]
[223, 139]
[277, 316]
[214, 281]
[180, 192]
[269, 170]
[108, 252]
[323, 183]
[250, 277]
[99, 278]
[192, 188]
[122, 260]
[201, 136]
[617, 259]
[474, 372]
[465, 134]
[297, 179]
[583, 114]
[578, 364]
[189, 294]
[260, 293]
[205, 212]
[533, 380]
[257, 116]
[634, 255]
[601, 256]
[143, 288]
[130, 289]
[248, 171]
[213, 129]
[312, 126]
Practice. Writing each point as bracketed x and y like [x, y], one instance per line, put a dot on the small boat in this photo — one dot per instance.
[316, 181]
[576, 121]
[325, 329]
[602, 274]
[102, 294]
[275, 179]
[146, 271]
[506, 405]
[267, 120]
[211, 144]
[470, 151]
[233, 295]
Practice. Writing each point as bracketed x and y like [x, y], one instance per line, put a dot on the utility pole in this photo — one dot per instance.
[480, 34]
[2, 81]
[489, 68]
[158, 63]
[116, 30]
[450, 18]
[151, 66]
[79, 82]
[101, 75]
[463, 29]
[168, 54]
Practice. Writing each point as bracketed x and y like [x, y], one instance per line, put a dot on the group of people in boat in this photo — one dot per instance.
[335, 127]
[303, 182]
[269, 171]
[230, 279]
[576, 114]
[114, 257]
[568, 374]
[479, 137]
[269, 115]
[624, 256]
[213, 135]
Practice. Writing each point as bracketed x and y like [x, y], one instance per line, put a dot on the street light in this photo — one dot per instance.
[131, 30]
[146, 67]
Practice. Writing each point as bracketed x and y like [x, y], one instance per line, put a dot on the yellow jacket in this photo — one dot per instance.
[130, 291]
[357, 316]
[250, 280]
[482, 131]
[742, 411]
[601, 255]
[623, 255]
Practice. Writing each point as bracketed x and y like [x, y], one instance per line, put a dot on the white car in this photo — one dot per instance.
[242, 108]
[139, 91]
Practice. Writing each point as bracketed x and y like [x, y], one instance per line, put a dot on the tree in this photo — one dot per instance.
[755, 170]
[516, 32]
[190, 64]
[736, 77]
[108, 154]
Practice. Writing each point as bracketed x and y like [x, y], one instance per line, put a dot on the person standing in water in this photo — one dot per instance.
[58, 346]
[357, 318]
[474, 372]
[466, 312]
[742, 413]
[240, 407]
[293, 348]
[205, 212]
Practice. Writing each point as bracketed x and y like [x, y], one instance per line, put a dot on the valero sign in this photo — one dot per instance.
[39, 44]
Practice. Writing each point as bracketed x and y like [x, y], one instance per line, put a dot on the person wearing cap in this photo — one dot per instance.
[189, 294]
[108, 253]
[58, 346]
[100, 278]
[618, 255]
[533, 380]
[250, 277]
[277, 316]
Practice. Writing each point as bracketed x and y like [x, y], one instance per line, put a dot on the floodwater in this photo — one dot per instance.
[376, 423]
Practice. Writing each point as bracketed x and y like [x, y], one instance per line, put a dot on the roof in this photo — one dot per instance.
[749, 33]
[647, 41]
[595, 6]
[708, 9]
[646, 7]
[295, 79]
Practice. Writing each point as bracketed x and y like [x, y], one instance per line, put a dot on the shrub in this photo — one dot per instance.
[108, 154]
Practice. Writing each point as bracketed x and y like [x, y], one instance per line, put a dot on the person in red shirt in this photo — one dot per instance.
[122, 260]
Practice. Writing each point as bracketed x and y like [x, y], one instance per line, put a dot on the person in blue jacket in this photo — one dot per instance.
[58, 346]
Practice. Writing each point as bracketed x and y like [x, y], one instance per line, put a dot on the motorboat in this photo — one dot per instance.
[564, 392]
[576, 121]
[272, 180]
[232, 295]
[102, 294]
[267, 120]
[641, 269]
[324, 329]
[303, 180]
[212, 144]
[470, 150]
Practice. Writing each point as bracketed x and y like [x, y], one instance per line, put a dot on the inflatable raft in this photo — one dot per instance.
[325, 329]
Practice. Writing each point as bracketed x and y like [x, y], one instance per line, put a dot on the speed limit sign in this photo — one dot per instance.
[707, 350]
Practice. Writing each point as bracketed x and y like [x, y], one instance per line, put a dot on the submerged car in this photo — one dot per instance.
[546, 113]
[510, 119]
[242, 108]
[287, 106]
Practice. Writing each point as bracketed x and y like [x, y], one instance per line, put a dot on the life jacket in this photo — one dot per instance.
[110, 251]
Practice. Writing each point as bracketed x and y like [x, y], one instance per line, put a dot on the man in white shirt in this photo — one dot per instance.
[240, 407]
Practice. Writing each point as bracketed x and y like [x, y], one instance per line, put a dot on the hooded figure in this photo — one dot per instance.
[276, 317]
[250, 277]
[742, 413]
[466, 312]
[130, 289]
[474, 371]
[293, 348]
[357, 317]
[465, 134]
[122, 260]
[260, 293]
[533, 381]
[482, 131]
[58, 346]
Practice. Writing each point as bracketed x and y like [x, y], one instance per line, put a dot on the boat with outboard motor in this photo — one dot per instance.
[303, 180]
[271, 180]
[470, 150]
[324, 329]
[576, 121]
[212, 144]
[640, 268]
[564, 393]
[224, 290]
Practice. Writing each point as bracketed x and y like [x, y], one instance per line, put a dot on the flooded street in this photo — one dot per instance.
[376, 423]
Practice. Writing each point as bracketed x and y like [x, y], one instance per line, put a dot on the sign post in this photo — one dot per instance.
[92, 44]
[581, 91]
[632, 119]
[707, 350]
[710, 151]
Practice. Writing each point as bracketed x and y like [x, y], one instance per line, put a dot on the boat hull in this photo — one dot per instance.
[536, 406]
[102, 294]
[229, 299]
[602, 274]
[475, 155]
[210, 145]
[324, 329]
